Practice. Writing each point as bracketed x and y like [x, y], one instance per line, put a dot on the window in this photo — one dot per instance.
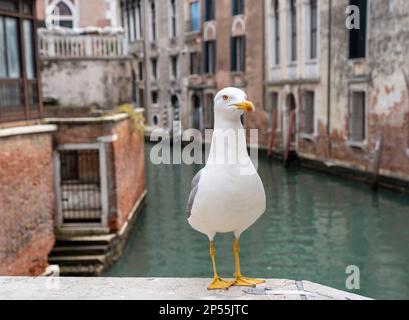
[195, 63]
[140, 70]
[238, 7]
[154, 97]
[153, 20]
[293, 13]
[210, 10]
[19, 97]
[313, 29]
[174, 67]
[141, 95]
[10, 48]
[357, 117]
[357, 37]
[62, 15]
[308, 113]
[276, 32]
[210, 56]
[173, 19]
[195, 16]
[238, 54]
[154, 68]
[208, 111]
[137, 12]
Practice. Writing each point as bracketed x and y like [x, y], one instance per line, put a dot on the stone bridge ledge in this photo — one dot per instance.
[56, 288]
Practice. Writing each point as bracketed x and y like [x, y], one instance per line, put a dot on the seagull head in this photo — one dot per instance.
[231, 103]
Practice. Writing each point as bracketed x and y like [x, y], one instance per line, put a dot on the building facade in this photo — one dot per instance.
[339, 91]
[183, 57]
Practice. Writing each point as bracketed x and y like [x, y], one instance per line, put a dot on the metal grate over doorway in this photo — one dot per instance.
[80, 187]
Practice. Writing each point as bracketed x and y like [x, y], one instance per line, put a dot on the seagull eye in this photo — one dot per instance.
[225, 98]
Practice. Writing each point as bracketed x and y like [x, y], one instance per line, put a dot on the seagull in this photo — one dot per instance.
[227, 195]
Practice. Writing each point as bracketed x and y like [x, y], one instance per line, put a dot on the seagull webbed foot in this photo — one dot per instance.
[220, 284]
[247, 282]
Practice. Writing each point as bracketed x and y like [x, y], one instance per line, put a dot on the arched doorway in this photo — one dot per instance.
[197, 117]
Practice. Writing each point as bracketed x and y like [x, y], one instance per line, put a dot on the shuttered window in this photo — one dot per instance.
[238, 54]
[308, 113]
[210, 57]
[357, 117]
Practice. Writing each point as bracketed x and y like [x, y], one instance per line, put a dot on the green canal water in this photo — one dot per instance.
[314, 227]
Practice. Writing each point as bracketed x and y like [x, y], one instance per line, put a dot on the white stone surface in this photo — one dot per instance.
[35, 129]
[55, 288]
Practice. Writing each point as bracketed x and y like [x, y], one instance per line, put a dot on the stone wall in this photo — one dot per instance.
[98, 83]
[26, 203]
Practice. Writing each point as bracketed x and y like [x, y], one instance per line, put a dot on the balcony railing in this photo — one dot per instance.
[82, 46]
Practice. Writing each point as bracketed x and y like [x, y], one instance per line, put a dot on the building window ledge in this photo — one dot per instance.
[311, 62]
[357, 144]
[308, 137]
[25, 130]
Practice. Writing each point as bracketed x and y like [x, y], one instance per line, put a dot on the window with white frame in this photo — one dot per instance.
[61, 13]
[357, 116]
[154, 68]
[308, 113]
[194, 12]
[173, 18]
[174, 66]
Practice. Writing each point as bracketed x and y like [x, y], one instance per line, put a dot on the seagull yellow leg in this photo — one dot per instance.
[240, 280]
[217, 283]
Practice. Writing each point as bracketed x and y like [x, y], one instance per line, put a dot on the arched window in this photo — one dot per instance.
[61, 15]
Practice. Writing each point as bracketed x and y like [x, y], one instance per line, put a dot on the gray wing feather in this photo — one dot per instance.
[195, 187]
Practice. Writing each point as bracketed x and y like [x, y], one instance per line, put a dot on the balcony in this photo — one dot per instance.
[80, 46]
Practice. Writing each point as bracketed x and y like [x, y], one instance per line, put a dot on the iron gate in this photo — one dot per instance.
[80, 187]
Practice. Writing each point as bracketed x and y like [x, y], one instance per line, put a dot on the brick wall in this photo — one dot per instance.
[26, 204]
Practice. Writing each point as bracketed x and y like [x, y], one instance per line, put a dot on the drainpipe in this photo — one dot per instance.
[329, 78]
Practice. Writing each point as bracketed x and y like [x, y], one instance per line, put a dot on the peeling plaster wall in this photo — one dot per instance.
[383, 75]
[103, 83]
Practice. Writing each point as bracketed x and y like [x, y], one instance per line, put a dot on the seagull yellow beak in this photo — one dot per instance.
[246, 106]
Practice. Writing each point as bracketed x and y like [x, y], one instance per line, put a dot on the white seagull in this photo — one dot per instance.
[227, 194]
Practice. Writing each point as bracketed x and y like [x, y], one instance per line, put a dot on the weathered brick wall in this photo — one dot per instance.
[128, 161]
[26, 204]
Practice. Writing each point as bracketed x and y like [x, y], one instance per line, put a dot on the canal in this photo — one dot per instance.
[314, 227]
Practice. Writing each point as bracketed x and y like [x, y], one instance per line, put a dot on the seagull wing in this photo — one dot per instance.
[195, 186]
